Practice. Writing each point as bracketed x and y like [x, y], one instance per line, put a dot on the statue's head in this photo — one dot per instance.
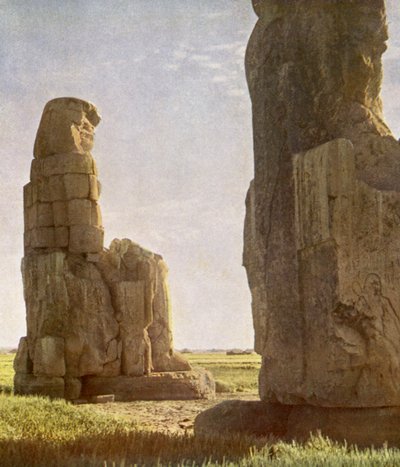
[317, 55]
[67, 125]
[363, 43]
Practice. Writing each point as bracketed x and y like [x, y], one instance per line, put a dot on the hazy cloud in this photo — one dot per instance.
[227, 46]
[180, 54]
[241, 50]
[200, 58]
[217, 15]
[239, 92]
[172, 66]
[212, 65]
[392, 53]
[220, 79]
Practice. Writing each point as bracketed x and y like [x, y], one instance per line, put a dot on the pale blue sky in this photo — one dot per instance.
[174, 148]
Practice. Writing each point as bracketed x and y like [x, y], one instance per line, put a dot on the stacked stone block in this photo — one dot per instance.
[61, 207]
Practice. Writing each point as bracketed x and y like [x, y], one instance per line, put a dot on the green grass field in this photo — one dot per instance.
[38, 432]
[35, 431]
[233, 373]
[6, 372]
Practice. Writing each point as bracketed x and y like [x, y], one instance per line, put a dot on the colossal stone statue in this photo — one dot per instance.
[97, 319]
[322, 228]
[322, 209]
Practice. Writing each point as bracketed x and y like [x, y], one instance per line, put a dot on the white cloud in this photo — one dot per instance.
[392, 53]
[240, 63]
[220, 79]
[241, 50]
[212, 65]
[216, 15]
[200, 58]
[228, 46]
[237, 92]
[172, 66]
[180, 54]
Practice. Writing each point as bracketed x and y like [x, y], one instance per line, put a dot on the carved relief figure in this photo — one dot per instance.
[380, 320]
[373, 326]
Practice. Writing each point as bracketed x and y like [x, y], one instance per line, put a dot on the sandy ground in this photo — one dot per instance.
[166, 416]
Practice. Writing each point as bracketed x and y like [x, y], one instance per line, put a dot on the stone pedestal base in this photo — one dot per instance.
[179, 385]
[30, 385]
[361, 426]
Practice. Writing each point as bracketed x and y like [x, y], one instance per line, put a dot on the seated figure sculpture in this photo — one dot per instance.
[322, 228]
[98, 320]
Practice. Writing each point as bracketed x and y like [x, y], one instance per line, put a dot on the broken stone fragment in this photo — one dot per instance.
[22, 362]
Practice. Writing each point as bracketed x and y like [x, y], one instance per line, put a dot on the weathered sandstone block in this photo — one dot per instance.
[60, 213]
[85, 239]
[22, 362]
[262, 419]
[48, 357]
[42, 237]
[69, 163]
[78, 310]
[94, 188]
[79, 212]
[195, 384]
[73, 388]
[61, 237]
[76, 186]
[28, 384]
[44, 215]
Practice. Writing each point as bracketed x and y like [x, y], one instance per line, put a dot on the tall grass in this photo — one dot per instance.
[6, 373]
[35, 431]
[38, 432]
